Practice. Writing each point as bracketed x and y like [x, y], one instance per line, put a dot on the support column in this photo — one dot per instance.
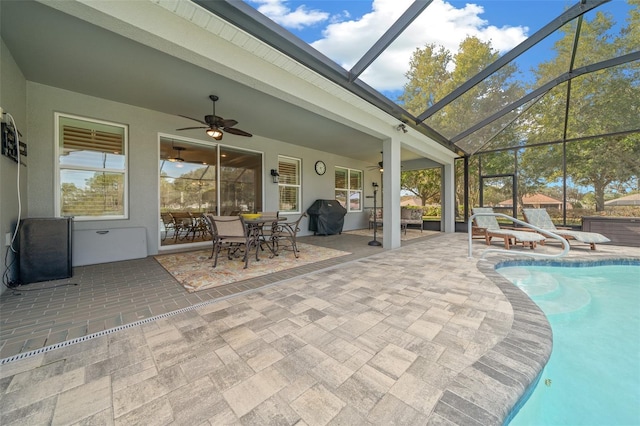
[448, 197]
[391, 193]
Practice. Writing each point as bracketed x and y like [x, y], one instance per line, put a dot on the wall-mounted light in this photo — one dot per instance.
[275, 175]
[401, 128]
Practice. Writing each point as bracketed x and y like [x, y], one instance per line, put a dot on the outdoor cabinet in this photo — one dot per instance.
[45, 249]
[94, 246]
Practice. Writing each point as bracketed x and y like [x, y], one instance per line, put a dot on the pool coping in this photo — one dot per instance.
[512, 368]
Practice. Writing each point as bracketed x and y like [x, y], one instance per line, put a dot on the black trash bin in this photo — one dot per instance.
[326, 217]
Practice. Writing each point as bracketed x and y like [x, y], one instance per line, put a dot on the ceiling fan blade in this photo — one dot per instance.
[190, 128]
[194, 119]
[219, 121]
[237, 132]
[226, 123]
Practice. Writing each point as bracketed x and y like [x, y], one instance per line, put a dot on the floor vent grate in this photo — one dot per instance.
[45, 349]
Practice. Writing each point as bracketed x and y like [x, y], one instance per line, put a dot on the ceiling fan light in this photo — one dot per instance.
[215, 133]
[177, 158]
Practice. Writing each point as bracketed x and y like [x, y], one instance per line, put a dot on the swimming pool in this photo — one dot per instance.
[593, 374]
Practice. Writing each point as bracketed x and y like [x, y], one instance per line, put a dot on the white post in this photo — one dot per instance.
[448, 219]
[391, 193]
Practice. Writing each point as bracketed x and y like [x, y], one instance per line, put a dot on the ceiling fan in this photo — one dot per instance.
[378, 167]
[177, 158]
[215, 124]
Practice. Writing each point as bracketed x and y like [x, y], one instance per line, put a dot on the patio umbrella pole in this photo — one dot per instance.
[375, 241]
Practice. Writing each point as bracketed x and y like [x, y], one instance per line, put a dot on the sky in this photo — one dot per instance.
[344, 30]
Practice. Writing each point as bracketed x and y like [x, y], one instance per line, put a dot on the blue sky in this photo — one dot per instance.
[344, 29]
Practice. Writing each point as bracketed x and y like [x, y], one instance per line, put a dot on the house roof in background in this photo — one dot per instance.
[628, 200]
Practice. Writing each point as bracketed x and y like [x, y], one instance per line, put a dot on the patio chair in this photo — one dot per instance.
[541, 219]
[265, 229]
[491, 228]
[410, 216]
[169, 224]
[229, 232]
[207, 218]
[284, 235]
[184, 225]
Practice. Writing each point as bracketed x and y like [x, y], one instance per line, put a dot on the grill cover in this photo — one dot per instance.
[326, 217]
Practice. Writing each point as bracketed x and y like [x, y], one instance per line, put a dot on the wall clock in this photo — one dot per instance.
[321, 168]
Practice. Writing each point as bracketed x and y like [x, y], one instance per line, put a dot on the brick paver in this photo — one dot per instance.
[418, 335]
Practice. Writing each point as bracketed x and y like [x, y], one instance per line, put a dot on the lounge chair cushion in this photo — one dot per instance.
[583, 237]
[541, 219]
[486, 222]
[492, 228]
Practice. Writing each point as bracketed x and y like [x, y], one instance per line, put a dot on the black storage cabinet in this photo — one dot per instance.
[326, 217]
[45, 249]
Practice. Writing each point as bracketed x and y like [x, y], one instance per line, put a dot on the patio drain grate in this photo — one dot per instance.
[116, 329]
[66, 343]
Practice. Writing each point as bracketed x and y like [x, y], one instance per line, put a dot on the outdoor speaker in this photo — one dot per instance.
[45, 249]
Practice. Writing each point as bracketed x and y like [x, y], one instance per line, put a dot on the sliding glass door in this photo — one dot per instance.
[240, 181]
[189, 186]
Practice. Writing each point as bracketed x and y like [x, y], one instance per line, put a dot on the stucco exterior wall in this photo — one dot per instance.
[144, 126]
[12, 101]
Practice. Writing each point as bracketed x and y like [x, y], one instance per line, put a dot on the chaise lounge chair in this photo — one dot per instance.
[491, 228]
[541, 219]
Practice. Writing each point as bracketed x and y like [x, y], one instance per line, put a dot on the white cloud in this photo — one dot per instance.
[299, 18]
[441, 23]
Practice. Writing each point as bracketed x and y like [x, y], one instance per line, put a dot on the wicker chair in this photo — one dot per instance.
[411, 217]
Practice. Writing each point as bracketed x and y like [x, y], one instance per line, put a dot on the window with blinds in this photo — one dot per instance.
[92, 172]
[77, 138]
[348, 190]
[289, 187]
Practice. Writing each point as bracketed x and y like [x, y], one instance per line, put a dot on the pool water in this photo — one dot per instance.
[593, 375]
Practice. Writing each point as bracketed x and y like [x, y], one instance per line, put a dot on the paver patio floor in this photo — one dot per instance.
[417, 335]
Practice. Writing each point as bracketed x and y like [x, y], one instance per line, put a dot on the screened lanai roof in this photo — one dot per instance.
[487, 75]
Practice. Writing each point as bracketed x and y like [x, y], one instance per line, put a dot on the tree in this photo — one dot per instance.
[606, 101]
[422, 183]
[433, 73]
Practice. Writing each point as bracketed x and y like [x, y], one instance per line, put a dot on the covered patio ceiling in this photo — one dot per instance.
[58, 49]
